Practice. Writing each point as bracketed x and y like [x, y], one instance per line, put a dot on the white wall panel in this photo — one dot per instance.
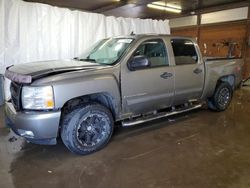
[225, 15]
[183, 21]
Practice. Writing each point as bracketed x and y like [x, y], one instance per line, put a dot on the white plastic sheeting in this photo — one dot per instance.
[37, 32]
[2, 44]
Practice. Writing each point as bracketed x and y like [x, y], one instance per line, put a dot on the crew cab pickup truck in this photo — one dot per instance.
[130, 79]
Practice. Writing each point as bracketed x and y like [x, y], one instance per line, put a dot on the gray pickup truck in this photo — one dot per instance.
[130, 79]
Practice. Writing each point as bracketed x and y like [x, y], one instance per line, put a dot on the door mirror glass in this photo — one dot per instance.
[138, 62]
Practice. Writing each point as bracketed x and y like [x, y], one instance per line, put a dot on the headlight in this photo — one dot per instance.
[37, 98]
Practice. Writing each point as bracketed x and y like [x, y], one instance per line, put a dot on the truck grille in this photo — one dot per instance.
[15, 91]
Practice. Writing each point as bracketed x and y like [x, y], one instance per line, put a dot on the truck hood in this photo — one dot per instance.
[26, 73]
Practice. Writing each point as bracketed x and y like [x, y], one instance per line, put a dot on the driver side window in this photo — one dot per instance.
[154, 51]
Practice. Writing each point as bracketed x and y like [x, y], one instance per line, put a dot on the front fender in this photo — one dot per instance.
[77, 87]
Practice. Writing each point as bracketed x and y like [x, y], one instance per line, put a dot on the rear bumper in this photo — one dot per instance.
[36, 127]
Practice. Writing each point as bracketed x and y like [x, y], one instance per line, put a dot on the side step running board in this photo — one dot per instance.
[127, 123]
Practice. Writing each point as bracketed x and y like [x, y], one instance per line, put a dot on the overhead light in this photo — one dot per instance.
[160, 5]
[171, 5]
[164, 8]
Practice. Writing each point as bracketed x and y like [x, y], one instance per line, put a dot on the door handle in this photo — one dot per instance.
[197, 71]
[166, 75]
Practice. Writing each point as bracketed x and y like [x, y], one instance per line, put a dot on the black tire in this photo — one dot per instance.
[87, 123]
[221, 98]
[211, 105]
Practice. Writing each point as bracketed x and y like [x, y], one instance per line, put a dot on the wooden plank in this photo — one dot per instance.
[187, 32]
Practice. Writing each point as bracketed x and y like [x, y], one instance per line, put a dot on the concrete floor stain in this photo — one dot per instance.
[197, 149]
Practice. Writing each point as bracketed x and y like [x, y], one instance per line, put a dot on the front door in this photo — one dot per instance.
[152, 87]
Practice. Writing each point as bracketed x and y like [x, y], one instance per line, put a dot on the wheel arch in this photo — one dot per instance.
[229, 79]
[103, 98]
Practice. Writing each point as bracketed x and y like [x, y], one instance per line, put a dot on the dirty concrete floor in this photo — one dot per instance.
[193, 150]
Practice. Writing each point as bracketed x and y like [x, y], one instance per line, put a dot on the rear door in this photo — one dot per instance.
[150, 88]
[188, 69]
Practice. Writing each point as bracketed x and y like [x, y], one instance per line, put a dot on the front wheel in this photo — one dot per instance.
[87, 128]
[221, 98]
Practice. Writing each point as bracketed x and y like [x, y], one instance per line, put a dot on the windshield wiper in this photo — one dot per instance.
[86, 59]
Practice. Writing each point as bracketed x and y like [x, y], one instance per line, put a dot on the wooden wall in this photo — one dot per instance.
[190, 32]
[216, 40]
[247, 53]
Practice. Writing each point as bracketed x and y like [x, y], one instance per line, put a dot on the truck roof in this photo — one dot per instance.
[139, 36]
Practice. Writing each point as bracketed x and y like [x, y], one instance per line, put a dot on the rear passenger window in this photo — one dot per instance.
[184, 52]
[154, 50]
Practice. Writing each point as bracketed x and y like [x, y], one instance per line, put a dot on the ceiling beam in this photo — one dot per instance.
[223, 6]
[110, 6]
[144, 2]
[120, 4]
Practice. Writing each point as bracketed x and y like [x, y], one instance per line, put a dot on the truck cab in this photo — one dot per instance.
[165, 67]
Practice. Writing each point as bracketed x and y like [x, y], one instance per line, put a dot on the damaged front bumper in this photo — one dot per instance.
[35, 126]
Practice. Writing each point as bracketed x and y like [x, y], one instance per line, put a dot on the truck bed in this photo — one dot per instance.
[217, 67]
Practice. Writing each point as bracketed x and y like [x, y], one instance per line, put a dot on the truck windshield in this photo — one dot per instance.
[107, 51]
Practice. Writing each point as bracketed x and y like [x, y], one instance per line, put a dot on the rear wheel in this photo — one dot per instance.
[221, 98]
[87, 128]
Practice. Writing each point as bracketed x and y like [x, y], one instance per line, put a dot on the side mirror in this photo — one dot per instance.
[138, 62]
